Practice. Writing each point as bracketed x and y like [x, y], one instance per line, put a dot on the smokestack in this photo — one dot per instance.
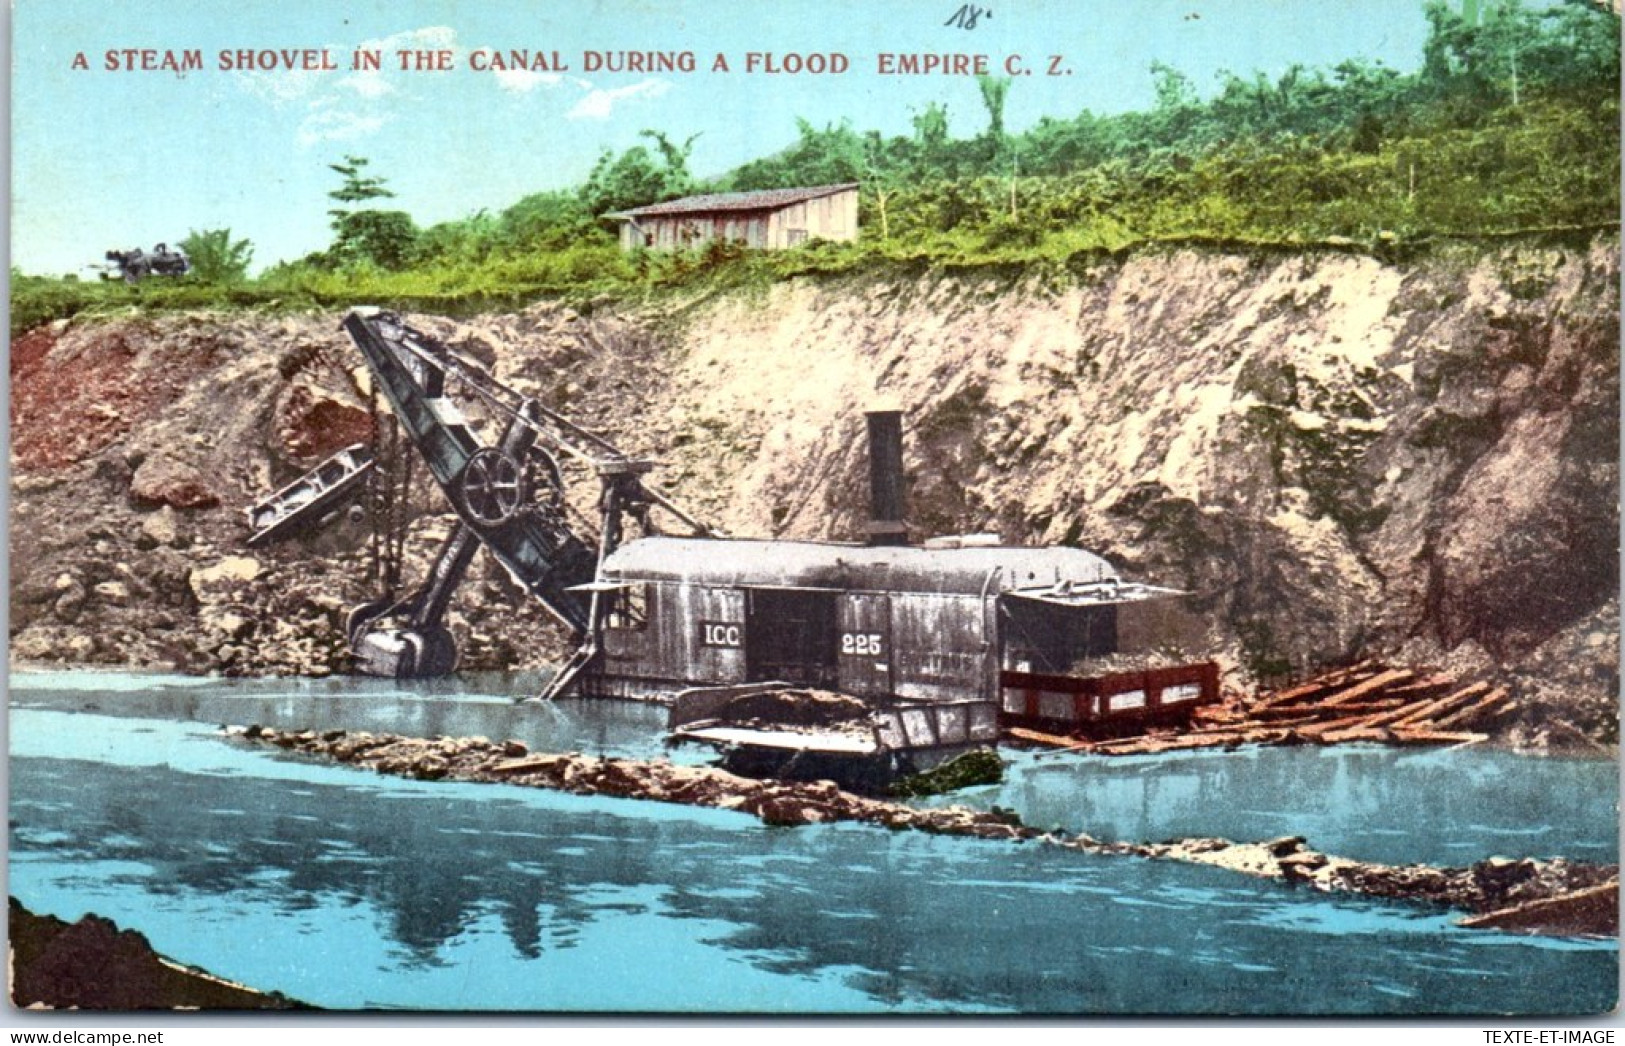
[886, 526]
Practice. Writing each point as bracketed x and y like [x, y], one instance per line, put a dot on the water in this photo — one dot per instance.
[347, 889]
[1395, 805]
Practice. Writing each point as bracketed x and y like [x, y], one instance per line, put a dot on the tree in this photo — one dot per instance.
[994, 91]
[357, 187]
[1581, 45]
[819, 157]
[678, 180]
[881, 176]
[932, 149]
[617, 183]
[547, 219]
[1480, 51]
[388, 239]
[1174, 90]
[385, 238]
[1501, 49]
[215, 257]
[633, 178]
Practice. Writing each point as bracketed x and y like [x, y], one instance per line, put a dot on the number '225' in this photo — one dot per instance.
[862, 644]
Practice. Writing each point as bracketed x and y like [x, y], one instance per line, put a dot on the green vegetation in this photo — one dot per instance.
[633, 179]
[216, 258]
[979, 767]
[366, 236]
[1511, 125]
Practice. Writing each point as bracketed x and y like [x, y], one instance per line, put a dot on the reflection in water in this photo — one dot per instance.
[350, 889]
[1381, 804]
[488, 706]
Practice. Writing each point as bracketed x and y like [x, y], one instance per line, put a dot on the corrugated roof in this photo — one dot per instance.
[857, 568]
[712, 203]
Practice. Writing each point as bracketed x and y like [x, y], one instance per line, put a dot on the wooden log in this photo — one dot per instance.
[1220, 728]
[1297, 713]
[1286, 717]
[1368, 708]
[1385, 719]
[1217, 716]
[1320, 686]
[1365, 721]
[1479, 712]
[1116, 744]
[1415, 736]
[1037, 738]
[1323, 724]
[1074, 747]
[1369, 687]
[1593, 911]
[1369, 727]
[1316, 687]
[1290, 724]
[1426, 688]
[1444, 704]
[1158, 745]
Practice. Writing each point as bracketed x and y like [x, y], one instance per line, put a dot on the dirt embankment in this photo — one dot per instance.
[93, 965]
[1340, 457]
[1535, 896]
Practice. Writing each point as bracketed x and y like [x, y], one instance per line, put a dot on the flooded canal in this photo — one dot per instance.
[346, 889]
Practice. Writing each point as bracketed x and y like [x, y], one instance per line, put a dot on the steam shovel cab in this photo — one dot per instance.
[946, 643]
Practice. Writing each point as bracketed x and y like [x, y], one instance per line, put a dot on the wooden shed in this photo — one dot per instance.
[770, 219]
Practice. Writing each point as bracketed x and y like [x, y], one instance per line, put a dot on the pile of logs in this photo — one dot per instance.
[1368, 702]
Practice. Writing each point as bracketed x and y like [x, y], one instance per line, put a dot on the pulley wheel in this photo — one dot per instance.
[493, 487]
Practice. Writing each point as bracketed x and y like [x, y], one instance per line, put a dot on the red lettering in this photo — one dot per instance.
[151, 60]
[954, 64]
[794, 63]
[309, 60]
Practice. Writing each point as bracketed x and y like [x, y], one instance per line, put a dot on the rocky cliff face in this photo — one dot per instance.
[1337, 455]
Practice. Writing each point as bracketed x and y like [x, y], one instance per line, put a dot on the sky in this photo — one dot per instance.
[105, 159]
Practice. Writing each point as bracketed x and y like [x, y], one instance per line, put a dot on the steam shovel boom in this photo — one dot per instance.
[508, 497]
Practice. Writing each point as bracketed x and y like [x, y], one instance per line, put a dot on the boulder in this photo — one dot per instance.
[312, 424]
[71, 599]
[233, 625]
[159, 528]
[162, 480]
[36, 590]
[219, 580]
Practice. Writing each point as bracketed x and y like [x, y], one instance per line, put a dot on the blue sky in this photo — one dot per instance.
[106, 159]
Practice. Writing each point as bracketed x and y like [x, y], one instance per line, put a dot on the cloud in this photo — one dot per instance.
[337, 125]
[280, 88]
[360, 102]
[337, 107]
[599, 104]
[369, 84]
[523, 81]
